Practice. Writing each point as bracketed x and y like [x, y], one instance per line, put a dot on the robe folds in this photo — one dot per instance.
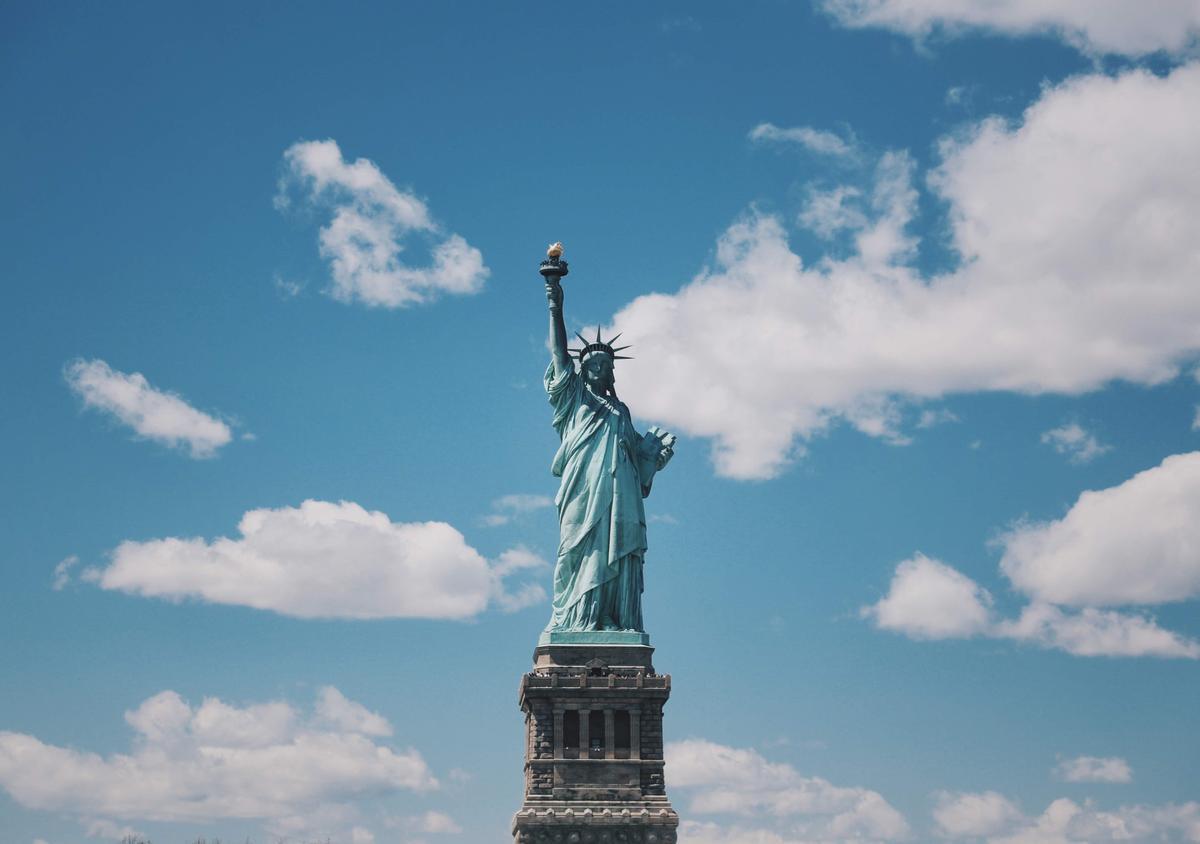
[602, 521]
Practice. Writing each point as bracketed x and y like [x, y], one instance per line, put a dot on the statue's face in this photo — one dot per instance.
[597, 370]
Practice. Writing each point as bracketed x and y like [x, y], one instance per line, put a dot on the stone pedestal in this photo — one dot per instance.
[594, 747]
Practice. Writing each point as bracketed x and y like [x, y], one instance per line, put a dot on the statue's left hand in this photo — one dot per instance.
[665, 446]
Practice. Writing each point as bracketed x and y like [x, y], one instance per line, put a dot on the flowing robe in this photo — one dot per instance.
[602, 522]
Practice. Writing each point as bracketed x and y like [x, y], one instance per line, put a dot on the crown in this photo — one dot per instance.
[599, 345]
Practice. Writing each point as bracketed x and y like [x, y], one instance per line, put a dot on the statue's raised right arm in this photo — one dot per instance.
[558, 329]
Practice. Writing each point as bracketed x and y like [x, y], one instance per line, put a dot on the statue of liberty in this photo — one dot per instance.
[606, 469]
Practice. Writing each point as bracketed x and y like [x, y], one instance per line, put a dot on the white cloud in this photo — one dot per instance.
[153, 414]
[930, 600]
[371, 220]
[965, 815]
[336, 710]
[62, 572]
[217, 761]
[1094, 769]
[1096, 632]
[324, 560]
[919, 606]
[527, 594]
[1067, 822]
[1134, 543]
[1093, 26]
[438, 823]
[931, 417]
[727, 780]
[506, 507]
[522, 502]
[1077, 443]
[1079, 232]
[829, 212]
[814, 140]
[697, 832]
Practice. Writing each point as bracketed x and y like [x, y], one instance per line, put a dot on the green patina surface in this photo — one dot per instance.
[606, 468]
[594, 637]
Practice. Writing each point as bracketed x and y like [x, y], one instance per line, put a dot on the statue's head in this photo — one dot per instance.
[596, 361]
[597, 371]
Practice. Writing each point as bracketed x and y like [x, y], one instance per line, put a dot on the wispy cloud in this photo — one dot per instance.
[507, 507]
[940, 416]
[153, 414]
[62, 572]
[829, 212]
[372, 224]
[1075, 442]
[814, 140]
[1094, 769]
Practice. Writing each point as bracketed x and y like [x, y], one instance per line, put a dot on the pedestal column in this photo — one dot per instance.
[616, 795]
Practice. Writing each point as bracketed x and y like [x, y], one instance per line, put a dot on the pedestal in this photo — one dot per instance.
[594, 747]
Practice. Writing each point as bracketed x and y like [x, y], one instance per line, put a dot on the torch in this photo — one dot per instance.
[554, 268]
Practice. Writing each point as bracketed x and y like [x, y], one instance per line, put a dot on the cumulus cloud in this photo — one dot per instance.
[1093, 26]
[726, 780]
[188, 763]
[1134, 543]
[1079, 235]
[964, 815]
[1066, 822]
[814, 140]
[1096, 632]
[371, 222]
[1075, 442]
[930, 600]
[1137, 543]
[337, 711]
[1094, 769]
[151, 413]
[325, 560]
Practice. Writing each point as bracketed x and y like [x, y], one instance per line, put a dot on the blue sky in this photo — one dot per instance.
[914, 283]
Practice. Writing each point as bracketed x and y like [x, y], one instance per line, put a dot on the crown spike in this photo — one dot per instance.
[598, 334]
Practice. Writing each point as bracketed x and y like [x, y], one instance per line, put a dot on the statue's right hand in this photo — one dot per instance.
[554, 293]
